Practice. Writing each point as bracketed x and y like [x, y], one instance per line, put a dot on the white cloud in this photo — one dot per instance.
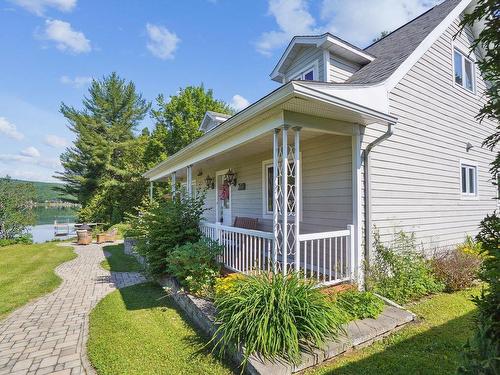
[50, 163]
[77, 82]
[293, 18]
[30, 152]
[162, 43]
[40, 6]
[55, 141]
[65, 37]
[360, 21]
[356, 21]
[10, 129]
[238, 102]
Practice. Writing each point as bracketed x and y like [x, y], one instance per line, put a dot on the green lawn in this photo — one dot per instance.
[139, 330]
[119, 261]
[27, 272]
[431, 346]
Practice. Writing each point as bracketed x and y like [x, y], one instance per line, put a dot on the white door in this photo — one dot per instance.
[223, 208]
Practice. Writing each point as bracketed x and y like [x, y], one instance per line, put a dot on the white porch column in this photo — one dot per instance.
[356, 208]
[150, 191]
[297, 198]
[174, 183]
[189, 180]
[284, 194]
[276, 198]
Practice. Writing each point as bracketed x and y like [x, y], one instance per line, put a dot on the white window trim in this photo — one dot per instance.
[313, 66]
[469, 163]
[269, 214]
[473, 67]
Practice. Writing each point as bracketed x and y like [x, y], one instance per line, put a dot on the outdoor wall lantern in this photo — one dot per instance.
[230, 177]
[209, 182]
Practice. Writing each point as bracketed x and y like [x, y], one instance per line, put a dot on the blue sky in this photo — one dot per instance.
[51, 49]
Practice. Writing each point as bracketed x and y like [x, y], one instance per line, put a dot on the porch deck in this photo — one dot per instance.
[325, 257]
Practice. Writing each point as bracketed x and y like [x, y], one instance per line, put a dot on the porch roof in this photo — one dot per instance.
[307, 98]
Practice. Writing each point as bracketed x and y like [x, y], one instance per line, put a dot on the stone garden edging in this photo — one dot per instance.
[358, 333]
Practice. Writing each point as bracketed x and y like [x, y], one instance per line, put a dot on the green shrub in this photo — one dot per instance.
[359, 305]
[25, 239]
[469, 246]
[275, 316]
[482, 352]
[400, 272]
[456, 269]
[121, 228]
[195, 266]
[162, 225]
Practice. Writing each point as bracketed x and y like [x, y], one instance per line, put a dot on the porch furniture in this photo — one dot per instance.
[111, 235]
[245, 222]
[101, 237]
[83, 237]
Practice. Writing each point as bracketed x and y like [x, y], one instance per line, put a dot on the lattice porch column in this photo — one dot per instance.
[189, 181]
[298, 212]
[284, 193]
[174, 183]
[276, 200]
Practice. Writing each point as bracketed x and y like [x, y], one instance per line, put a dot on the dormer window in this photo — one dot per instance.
[307, 75]
[463, 69]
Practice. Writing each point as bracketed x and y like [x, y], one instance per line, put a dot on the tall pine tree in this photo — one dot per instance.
[104, 165]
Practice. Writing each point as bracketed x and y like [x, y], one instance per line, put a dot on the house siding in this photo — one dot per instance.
[340, 69]
[415, 183]
[326, 185]
[306, 57]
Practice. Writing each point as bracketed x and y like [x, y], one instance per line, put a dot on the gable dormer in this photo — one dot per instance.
[211, 120]
[323, 58]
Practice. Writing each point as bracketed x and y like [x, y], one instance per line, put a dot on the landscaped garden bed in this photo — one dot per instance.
[357, 333]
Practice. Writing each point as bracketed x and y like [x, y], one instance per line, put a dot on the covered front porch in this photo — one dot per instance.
[293, 170]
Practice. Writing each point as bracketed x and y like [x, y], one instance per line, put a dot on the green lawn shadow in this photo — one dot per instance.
[436, 351]
[117, 261]
[151, 295]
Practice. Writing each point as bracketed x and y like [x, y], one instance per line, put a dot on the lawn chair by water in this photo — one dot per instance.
[111, 235]
[83, 237]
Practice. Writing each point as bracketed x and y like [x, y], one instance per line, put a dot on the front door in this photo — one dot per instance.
[223, 209]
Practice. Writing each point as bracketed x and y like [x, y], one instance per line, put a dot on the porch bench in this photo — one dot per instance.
[245, 222]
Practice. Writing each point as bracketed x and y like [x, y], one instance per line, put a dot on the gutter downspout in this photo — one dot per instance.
[367, 187]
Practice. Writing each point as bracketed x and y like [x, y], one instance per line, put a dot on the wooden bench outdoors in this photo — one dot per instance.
[245, 222]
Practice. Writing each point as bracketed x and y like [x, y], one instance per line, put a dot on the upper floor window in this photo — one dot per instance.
[468, 179]
[463, 69]
[310, 73]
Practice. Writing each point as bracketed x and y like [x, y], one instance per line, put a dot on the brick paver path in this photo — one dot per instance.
[48, 335]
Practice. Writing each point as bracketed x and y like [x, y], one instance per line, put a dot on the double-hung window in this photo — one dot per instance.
[463, 69]
[308, 74]
[468, 180]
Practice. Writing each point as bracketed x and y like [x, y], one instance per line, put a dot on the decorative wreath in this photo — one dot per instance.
[224, 191]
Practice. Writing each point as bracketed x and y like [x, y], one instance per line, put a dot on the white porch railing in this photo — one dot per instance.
[327, 257]
[245, 250]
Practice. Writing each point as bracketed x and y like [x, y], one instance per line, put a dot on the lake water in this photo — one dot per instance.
[44, 229]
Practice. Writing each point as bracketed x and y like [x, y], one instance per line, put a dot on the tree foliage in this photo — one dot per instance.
[16, 203]
[482, 355]
[177, 120]
[488, 41]
[102, 169]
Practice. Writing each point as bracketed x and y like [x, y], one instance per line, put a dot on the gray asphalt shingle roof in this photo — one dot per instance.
[391, 51]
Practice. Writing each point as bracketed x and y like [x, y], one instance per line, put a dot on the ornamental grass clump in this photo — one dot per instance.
[274, 316]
